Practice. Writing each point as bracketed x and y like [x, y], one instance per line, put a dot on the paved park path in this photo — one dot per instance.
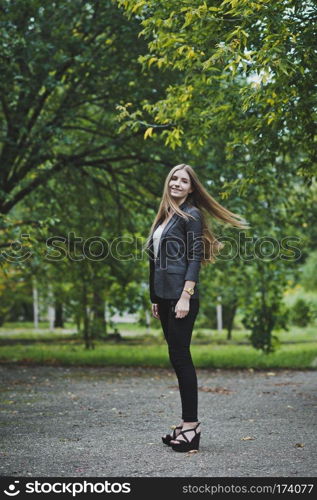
[108, 421]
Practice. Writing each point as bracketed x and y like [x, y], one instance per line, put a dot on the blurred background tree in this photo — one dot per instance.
[99, 100]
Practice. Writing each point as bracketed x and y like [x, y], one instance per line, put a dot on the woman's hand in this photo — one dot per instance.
[155, 311]
[182, 307]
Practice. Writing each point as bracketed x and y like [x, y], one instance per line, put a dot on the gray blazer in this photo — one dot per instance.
[179, 256]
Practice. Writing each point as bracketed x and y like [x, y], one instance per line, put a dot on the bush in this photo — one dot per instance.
[301, 313]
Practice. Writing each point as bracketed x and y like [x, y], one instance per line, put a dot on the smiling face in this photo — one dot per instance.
[180, 186]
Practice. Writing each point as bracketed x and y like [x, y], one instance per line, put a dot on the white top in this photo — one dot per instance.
[156, 238]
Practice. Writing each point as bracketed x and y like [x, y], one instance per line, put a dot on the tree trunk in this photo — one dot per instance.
[98, 313]
[230, 319]
[59, 319]
[86, 319]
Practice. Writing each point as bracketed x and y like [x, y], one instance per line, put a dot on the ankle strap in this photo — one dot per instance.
[187, 430]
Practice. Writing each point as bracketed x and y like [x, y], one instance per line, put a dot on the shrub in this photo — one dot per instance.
[301, 313]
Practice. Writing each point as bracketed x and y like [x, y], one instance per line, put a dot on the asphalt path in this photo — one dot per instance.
[108, 421]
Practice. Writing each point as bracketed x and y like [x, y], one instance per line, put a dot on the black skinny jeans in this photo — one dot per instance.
[178, 334]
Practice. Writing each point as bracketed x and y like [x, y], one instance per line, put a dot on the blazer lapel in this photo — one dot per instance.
[167, 228]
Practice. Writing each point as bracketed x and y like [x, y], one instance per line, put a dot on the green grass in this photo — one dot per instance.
[210, 349]
[210, 356]
[26, 325]
[295, 334]
[34, 335]
[18, 331]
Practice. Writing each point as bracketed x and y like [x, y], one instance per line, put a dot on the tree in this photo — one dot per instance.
[64, 67]
[245, 67]
[309, 272]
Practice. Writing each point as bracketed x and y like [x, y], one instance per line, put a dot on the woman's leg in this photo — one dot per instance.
[165, 310]
[178, 334]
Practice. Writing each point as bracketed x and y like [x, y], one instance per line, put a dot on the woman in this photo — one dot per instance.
[178, 246]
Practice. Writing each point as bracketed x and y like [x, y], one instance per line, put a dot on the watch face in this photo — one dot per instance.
[191, 291]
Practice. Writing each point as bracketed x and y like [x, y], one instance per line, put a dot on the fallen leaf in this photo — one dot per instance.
[217, 390]
[289, 383]
[299, 445]
[247, 438]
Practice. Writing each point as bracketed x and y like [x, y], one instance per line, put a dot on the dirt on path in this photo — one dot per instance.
[108, 421]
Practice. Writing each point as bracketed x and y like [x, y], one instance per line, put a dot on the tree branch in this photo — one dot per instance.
[38, 181]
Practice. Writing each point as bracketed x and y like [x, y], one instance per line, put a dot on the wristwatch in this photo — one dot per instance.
[191, 291]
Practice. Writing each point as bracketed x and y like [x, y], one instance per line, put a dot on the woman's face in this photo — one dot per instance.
[180, 185]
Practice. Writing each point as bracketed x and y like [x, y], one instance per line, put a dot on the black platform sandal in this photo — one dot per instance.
[168, 438]
[187, 445]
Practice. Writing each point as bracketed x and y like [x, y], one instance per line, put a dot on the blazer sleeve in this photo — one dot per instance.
[194, 247]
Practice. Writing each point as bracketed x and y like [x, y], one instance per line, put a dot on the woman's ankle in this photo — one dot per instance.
[191, 424]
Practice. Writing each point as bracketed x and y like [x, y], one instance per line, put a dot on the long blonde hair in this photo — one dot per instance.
[201, 199]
